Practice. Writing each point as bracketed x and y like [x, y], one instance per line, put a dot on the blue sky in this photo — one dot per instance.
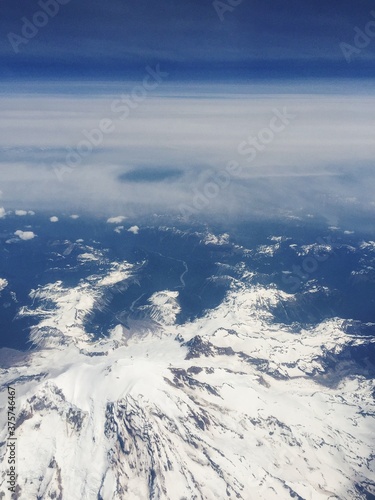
[257, 38]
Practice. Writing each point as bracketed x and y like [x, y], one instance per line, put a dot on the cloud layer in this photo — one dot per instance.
[170, 152]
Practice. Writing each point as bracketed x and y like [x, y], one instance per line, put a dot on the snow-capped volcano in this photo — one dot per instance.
[228, 405]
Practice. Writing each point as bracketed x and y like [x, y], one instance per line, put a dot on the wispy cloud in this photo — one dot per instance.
[158, 157]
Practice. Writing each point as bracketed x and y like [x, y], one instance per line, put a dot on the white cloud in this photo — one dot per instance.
[25, 235]
[31, 212]
[3, 283]
[119, 229]
[74, 216]
[87, 257]
[116, 220]
[20, 212]
[2, 212]
[54, 219]
[133, 229]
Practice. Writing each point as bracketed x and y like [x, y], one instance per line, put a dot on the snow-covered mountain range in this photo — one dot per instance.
[228, 405]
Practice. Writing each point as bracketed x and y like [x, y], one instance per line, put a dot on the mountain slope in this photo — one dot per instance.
[230, 405]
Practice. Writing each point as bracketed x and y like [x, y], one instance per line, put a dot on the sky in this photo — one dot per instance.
[188, 107]
[194, 39]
